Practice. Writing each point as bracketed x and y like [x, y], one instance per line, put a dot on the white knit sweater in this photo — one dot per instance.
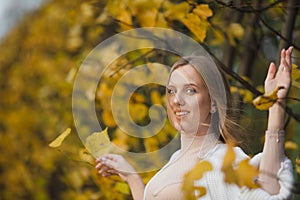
[166, 184]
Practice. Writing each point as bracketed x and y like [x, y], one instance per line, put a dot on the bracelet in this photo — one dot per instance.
[278, 135]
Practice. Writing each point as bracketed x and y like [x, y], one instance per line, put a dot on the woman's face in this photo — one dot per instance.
[188, 101]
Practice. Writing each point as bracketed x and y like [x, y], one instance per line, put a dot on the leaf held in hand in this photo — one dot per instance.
[58, 141]
[98, 143]
[295, 76]
[265, 101]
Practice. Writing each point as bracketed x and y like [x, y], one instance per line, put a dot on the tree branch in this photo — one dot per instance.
[247, 85]
[248, 8]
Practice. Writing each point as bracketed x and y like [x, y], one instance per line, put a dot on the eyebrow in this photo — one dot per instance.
[188, 84]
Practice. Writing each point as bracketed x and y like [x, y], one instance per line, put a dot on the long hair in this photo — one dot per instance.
[221, 121]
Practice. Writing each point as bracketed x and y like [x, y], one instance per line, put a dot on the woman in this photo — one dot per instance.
[197, 108]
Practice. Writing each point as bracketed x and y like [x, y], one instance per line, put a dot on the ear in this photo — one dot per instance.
[213, 108]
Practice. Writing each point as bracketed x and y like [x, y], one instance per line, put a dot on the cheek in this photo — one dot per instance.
[203, 106]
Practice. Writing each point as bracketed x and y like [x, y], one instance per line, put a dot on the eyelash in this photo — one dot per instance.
[172, 91]
[191, 89]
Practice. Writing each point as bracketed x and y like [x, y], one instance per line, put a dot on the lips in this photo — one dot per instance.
[181, 113]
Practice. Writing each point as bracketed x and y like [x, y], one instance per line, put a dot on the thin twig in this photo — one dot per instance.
[246, 84]
[131, 62]
[278, 34]
[248, 9]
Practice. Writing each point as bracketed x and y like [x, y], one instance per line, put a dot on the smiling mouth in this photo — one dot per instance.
[181, 113]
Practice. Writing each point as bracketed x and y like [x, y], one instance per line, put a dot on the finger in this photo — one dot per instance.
[271, 72]
[288, 56]
[103, 170]
[109, 163]
[113, 157]
[98, 166]
[282, 60]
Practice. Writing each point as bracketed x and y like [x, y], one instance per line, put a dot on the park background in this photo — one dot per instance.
[40, 56]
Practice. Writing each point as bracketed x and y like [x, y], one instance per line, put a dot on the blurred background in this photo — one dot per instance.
[43, 43]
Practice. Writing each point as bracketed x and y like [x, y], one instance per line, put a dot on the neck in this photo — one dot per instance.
[201, 143]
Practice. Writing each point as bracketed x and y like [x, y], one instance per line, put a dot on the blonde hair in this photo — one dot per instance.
[221, 121]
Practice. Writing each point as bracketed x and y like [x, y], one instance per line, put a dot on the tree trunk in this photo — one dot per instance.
[288, 25]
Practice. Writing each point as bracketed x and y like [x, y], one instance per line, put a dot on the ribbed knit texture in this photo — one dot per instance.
[166, 184]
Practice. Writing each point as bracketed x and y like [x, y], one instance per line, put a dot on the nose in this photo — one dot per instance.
[178, 99]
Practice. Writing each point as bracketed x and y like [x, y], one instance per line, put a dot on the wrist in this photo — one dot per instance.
[133, 177]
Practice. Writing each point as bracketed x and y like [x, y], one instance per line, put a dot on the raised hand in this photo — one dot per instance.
[281, 77]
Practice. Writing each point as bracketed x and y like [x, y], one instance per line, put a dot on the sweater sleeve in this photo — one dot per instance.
[286, 181]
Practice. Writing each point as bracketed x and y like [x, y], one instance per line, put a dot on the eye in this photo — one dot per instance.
[171, 91]
[190, 91]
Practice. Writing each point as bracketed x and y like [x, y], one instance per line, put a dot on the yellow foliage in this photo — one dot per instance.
[235, 31]
[298, 165]
[138, 98]
[203, 11]
[188, 185]
[247, 95]
[117, 9]
[85, 156]
[138, 111]
[122, 187]
[265, 101]
[156, 97]
[121, 139]
[176, 11]
[145, 11]
[219, 37]
[151, 144]
[291, 145]
[244, 175]
[196, 25]
[108, 118]
[161, 21]
[247, 174]
[98, 143]
[58, 141]
[295, 76]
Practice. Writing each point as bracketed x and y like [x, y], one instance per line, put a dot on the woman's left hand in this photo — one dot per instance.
[282, 77]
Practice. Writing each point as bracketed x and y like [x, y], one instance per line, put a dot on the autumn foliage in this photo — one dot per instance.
[41, 57]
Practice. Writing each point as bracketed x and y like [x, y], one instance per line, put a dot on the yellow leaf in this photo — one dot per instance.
[145, 11]
[298, 165]
[138, 111]
[295, 76]
[234, 31]
[85, 156]
[98, 143]
[219, 37]
[291, 145]
[196, 25]
[188, 186]
[265, 101]
[108, 118]
[176, 11]
[58, 141]
[233, 89]
[156, 97]
[122, 187]
[247, 174]
[227, 167]
[203, 11]
[244, 175]
[117, 9]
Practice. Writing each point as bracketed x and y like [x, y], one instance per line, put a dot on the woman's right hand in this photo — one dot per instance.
[114, 164]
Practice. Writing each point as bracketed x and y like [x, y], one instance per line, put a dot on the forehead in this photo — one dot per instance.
[185, 74]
